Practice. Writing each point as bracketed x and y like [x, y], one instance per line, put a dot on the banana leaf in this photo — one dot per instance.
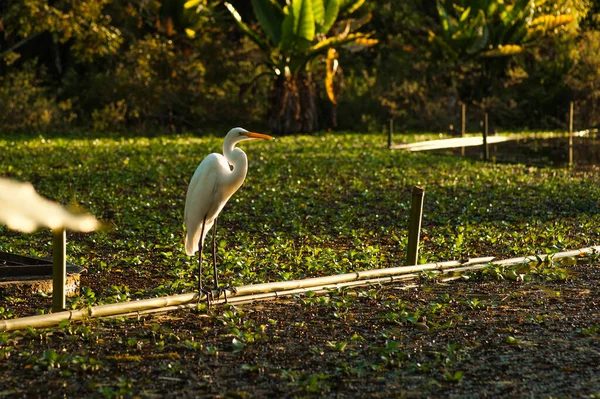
[246, 29]
[270, 17]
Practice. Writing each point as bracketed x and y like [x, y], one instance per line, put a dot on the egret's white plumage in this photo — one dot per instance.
[215, 180]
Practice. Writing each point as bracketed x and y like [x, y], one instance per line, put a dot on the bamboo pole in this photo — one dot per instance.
[282, 294]
[343, 278]
[414, 227]
[59, 269]
[277, 289]
[243, 291]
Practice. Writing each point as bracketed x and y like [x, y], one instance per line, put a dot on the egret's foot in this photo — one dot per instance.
[208, 295]
[223, 290]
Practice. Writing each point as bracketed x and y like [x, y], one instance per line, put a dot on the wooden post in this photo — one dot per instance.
[463, 123]
[59, 269]
[571, 135]
[390, 132]
[486, 150]
[414, 227]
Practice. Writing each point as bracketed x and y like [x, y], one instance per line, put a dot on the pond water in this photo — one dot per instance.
[552, 152]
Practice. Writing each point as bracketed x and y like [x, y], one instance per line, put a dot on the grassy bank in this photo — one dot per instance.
[310, 206]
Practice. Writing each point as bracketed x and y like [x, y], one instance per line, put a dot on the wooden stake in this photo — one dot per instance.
[59, 269]
[414, 228]
[571, 134]
[463, 125]
[390, 132]
[486, 150]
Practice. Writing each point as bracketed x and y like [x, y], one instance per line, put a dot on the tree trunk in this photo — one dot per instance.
[294, 105]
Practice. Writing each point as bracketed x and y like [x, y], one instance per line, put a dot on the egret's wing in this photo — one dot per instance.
[200, 200]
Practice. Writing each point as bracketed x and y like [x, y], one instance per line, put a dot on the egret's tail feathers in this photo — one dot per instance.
[191, 245]
[193, 237]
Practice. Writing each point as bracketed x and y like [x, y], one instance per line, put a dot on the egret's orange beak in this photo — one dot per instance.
[258, 136]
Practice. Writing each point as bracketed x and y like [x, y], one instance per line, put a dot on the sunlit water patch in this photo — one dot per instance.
[553, 152]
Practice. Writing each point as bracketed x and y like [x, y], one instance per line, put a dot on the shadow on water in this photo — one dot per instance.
[553, 152]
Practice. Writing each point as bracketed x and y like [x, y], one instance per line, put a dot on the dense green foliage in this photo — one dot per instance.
[310, 206]
[296, 38]
[133, 65]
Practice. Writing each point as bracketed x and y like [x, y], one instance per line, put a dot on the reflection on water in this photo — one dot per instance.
[539, 152]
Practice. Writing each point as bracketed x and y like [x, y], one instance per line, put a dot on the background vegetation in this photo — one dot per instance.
[140, 65]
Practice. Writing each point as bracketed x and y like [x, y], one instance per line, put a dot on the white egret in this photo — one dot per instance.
[213, 183]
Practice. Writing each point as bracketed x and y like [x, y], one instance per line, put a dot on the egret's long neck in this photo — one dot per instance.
[236, 158]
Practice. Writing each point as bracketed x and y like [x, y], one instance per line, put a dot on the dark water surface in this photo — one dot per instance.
[553, 152]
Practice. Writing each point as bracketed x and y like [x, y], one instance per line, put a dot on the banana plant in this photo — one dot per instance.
[494, 28]
[292, 36]
[486, 33]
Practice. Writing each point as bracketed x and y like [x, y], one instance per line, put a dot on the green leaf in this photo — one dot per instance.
[465, 14]
[238, 345]
[191, 3]
[446, 23]
[298, 27]
[332, 9]
[246, 29]
[64, 323]
[304, 24]
[270, 17]
[483, 36]
[349, 6]
[287, 29]
[335, 41]
[318, 9]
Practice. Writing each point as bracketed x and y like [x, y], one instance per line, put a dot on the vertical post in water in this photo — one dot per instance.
[59, 269]
[414, 227]
[463, 123]
[571, 135]
[486, 150]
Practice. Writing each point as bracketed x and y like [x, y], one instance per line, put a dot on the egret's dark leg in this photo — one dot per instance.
[216, 274]
[214, 244]
[208, 293]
